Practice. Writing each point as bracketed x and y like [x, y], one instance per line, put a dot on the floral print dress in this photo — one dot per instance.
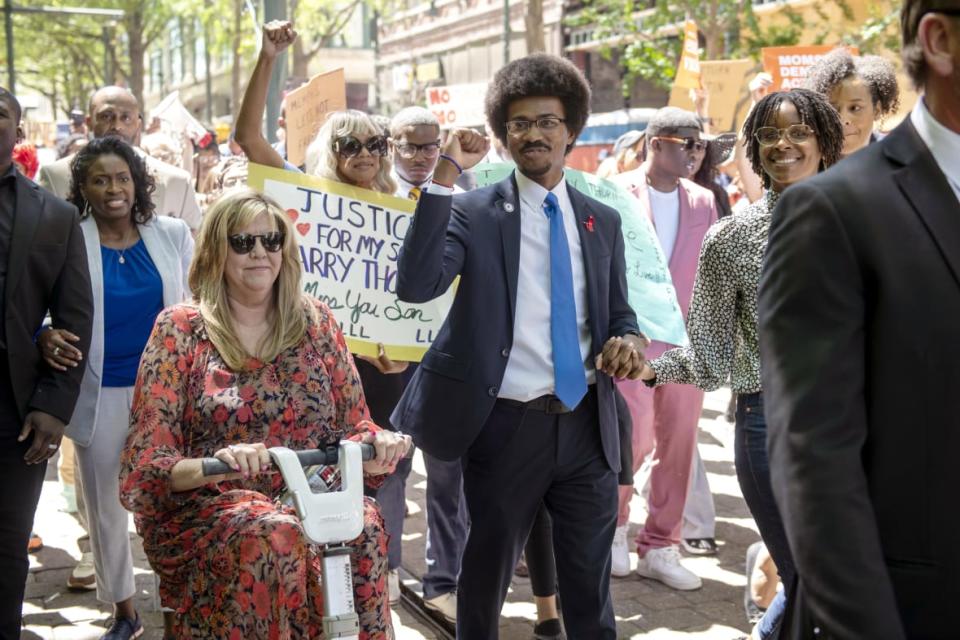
[233, 562]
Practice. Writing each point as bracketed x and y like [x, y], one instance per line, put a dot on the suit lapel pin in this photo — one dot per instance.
[508, 207]
[588, 223]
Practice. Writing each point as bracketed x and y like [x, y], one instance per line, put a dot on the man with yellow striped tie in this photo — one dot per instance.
[415, 145]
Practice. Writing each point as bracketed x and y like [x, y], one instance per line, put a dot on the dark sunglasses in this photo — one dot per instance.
[243, 243]
[687, 144]
[350, 147]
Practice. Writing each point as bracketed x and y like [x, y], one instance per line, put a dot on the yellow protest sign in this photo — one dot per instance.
[688, 71]
[307, 107]
[726, 83]
[349, 240]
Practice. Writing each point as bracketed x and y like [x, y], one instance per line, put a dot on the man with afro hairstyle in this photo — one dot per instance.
[521, 373]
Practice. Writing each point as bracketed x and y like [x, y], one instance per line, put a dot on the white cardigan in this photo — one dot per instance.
[170, 246]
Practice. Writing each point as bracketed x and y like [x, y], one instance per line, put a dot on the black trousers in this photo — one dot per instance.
[539, 553]
[20, 493]
[524, 458]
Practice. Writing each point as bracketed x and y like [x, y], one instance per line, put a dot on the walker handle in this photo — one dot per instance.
[308, 458]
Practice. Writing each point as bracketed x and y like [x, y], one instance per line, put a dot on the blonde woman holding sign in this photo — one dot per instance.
[349, 148]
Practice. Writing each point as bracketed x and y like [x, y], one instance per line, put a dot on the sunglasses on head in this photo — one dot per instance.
[350, 147]
[687, 144]
[243, 243]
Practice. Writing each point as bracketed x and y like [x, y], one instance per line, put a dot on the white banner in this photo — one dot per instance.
[350, 240]
[458, 105]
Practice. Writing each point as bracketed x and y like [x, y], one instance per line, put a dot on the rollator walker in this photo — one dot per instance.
[329, 519]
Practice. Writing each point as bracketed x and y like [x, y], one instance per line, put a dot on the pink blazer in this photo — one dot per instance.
[698, 210]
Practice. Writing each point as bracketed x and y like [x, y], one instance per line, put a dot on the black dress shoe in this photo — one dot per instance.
[548, 630]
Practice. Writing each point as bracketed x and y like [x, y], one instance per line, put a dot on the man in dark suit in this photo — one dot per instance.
[518, 381]
[858, 313]
[43, 267]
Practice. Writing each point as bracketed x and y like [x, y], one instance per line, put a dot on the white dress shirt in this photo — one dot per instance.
[666, 218]
[529, 372]
[943, 143]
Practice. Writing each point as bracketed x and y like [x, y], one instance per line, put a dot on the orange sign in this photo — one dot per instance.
[307, 108]
[688, 72]
[789, 65]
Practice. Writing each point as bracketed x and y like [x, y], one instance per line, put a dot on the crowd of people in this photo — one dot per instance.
[154, 315]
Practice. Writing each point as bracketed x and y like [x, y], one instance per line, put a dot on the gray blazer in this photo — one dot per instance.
[170, 245]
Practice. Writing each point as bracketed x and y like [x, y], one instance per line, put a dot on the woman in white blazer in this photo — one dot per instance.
[138, 265]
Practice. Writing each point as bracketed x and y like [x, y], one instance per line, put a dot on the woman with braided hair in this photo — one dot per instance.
[789, 137]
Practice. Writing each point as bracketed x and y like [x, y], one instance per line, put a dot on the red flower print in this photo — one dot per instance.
[249, 551]
[244, 414]
[294, 600]
[261, 599]
[365, 590]
[246, 579]
[364, 565]
[283, 538]
[221, 414]
[162, 392]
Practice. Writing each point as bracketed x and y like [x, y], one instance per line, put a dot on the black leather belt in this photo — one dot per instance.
[549, 404]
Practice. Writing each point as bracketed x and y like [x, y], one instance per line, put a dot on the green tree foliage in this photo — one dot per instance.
[644, 35]
[66, 57]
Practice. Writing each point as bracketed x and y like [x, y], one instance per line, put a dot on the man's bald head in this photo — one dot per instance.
[12, 103]
[114, 111]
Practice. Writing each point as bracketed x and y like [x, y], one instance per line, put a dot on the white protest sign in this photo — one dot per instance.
[458, 105]
[349, 241]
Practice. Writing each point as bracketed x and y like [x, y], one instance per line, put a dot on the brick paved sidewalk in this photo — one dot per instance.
[644, 608]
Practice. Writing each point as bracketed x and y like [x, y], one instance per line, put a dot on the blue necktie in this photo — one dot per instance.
[569, 378]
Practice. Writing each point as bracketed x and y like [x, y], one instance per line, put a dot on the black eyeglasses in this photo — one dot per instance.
[795, 133]
[520, 127]
[243, 243]
[350, 147]
[687, 144]
[409, 150]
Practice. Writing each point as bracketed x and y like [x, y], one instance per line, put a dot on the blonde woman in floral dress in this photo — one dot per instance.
[253, 364]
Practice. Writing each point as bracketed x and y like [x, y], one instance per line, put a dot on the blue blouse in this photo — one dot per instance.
[132, 299]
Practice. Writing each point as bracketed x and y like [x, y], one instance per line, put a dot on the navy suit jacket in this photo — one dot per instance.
[476, 236]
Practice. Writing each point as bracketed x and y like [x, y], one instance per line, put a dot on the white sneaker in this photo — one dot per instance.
[445, 604]
[83, 577]
[393, 586]
[620, 552]
[663, 564]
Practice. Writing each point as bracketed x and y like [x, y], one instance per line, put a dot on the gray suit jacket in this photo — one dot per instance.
[174, 197]
[170, 246]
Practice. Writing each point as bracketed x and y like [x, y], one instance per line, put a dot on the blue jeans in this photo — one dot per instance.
[753, 474]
